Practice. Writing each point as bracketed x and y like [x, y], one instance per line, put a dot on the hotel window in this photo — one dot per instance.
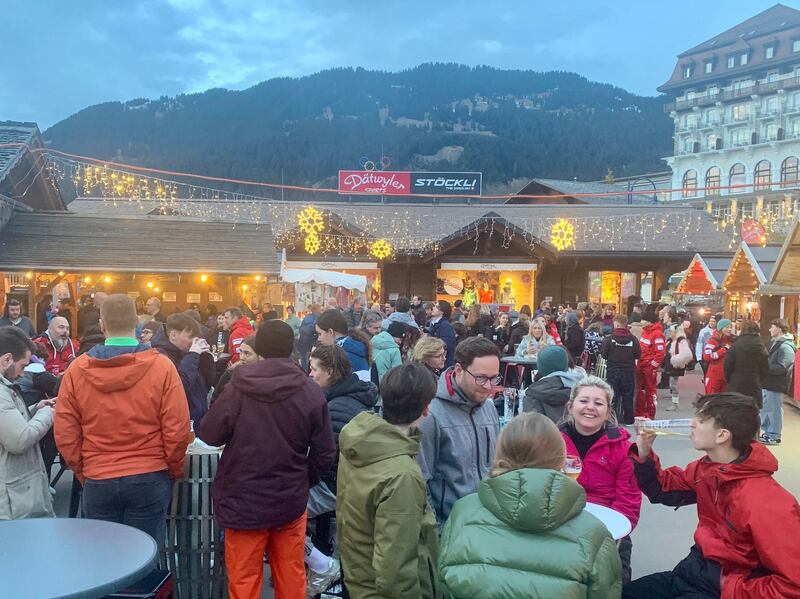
[794, 128]
[740, 137]
[795, 45]
[731, 62]
[688, 70]
[713, 180]
[773, 105]
[737, 176]
[770, 132]
[709, 66]
[790, 172]
[744, 57]
[769, 51]
[762, 175]
[690, 183]
[713, 90]
[740, 112]
[711, 142]
[712, 116]
[688, 145]
[772, 77]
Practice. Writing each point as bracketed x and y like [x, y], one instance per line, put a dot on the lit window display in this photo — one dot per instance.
[504, 284]
[612, 287]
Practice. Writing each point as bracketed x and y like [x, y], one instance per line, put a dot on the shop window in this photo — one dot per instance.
[646, 289]
[762, 175]
[595, 286]
[736, 177]
[689, 183]
[628, 289]
[790, 172]
[713, 180]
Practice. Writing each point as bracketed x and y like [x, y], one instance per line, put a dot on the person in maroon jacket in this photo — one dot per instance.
[274, 423]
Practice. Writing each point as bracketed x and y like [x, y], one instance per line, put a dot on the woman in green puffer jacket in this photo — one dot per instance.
[525, 533]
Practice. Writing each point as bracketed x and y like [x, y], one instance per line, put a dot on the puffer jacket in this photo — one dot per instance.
[458, 442]
[781, 362]
[24, 488]
[680, 356]
[385, 353]
[746, 366]
[526, 534]
[346, 399]
[388, 538]
[607, 474]
[550, 394]
[356, 352]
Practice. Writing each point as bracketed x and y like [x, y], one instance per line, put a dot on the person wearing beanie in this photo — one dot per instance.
[714, 356]
[574, 339]
[621, 349]
[552, 385]
[635, 325]
[274, 422]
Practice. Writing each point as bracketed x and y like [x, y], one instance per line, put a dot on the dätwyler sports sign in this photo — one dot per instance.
[408, 183]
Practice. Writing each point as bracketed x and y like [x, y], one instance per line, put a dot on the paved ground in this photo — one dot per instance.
[664, 535]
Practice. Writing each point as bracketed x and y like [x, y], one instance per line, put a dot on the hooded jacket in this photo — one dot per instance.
[274, 423]
[607, 474]
[748, 523]
[24, 487]
[458, 441]
[746, 366]
[57, 360]
[442, 329]
[388, 538]
[403, 317]
[714, 353]
[196, 372]
[122, 411]
[550, 394]
[346, 399]
[654, 345]
[621, 349]
[356, 351]
[385, 353]
[526, 534]
[781, 362]
[240, 331]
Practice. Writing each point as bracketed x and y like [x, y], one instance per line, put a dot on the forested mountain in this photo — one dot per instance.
[504, 123]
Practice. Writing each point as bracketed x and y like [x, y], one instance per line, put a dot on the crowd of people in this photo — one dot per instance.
[388, 419]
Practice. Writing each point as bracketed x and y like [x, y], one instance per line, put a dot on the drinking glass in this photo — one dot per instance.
[573, 467]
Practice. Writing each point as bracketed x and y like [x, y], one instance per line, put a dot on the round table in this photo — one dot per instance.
[521, 361]
[68, 557]
[618, 525]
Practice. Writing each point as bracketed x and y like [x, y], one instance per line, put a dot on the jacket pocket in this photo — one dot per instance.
[29, 497]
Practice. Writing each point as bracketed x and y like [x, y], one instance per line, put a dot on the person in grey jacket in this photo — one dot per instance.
[460, 433]
[24, 487]
[551, 390]
[776, 385]
[402, 313]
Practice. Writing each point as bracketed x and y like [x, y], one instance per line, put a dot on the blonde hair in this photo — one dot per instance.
[597, 382]
[427, 348]
[529, 440]
[538, 322]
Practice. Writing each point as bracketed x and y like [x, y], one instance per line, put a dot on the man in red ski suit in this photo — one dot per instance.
[654, 348]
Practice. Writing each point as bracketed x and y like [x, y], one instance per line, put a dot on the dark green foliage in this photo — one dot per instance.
[576, 128]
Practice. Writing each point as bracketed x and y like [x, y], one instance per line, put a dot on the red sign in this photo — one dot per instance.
[753, 232]
[375, 182]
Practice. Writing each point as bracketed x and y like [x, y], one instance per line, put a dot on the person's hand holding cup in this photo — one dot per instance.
[644, 440]
[199, 346]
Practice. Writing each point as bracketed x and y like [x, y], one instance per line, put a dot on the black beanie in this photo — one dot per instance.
[274, 339]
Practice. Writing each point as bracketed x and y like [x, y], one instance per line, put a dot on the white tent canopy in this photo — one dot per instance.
[324, 277]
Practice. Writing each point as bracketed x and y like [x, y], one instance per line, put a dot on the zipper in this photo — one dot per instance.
[441, 500]
[477, 442]
[488, 443]
[433, 578]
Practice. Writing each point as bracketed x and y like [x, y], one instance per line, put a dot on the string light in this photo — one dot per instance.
[203, 278]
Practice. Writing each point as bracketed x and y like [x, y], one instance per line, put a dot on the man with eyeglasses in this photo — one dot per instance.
[460, 433]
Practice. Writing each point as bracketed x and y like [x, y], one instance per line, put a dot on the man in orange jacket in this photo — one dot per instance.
[122, 424]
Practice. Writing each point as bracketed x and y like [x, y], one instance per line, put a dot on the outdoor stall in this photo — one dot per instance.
[749, 270]
[501, 283]
[699, 285]
[315, 286]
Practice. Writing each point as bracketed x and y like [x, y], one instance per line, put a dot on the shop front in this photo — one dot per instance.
[511, 284]
[749, 271]
[344, 294]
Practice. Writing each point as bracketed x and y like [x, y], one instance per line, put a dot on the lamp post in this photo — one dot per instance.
[631, 185]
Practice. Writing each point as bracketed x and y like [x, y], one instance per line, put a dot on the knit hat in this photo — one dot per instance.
[274, 339]
[571, 318]
[551, 359]
[397, 329]
[722, 323]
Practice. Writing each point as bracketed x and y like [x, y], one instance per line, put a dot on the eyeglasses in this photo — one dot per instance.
[482, 379]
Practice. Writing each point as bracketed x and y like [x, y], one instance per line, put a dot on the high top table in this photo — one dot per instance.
[67, 557]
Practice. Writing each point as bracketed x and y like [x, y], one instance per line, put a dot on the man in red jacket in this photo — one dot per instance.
[745, 542]
[275, 425]
[654, 348]
[61, 349]
[240, 329]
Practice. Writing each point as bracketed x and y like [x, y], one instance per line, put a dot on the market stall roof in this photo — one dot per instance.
[750, 267]
[414, 229]
[697, 279]
[786, 270]
[73, 242]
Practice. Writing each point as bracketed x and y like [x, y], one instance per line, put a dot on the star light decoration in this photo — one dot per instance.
[562, 234]
[311, 222]
[381, 249]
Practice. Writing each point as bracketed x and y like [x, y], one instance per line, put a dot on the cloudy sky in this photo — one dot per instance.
[59, 57]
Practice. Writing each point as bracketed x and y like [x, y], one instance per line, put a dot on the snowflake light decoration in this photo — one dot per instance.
[562, 234]
[310, 220]
[312, 243]
[381, 249]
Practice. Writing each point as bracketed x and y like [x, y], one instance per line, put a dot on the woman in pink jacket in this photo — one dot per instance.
[590, 431]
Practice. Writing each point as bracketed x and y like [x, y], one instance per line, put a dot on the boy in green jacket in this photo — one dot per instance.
[388, 538]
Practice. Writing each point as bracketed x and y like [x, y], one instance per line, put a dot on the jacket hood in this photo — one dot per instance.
[532, 499]
[655, 327]
[368, 439]
[352, 386]
[448, 390]
[569, 378]
[115, 368]
[270, 380]
[383, 340]
[243, 323]
[161, 342]
[403, 317]
[621, 333]
[757, 464]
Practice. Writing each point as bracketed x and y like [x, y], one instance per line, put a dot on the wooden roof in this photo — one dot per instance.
[64, 241]
[750, 268]
[786, 271]
[697, 278]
